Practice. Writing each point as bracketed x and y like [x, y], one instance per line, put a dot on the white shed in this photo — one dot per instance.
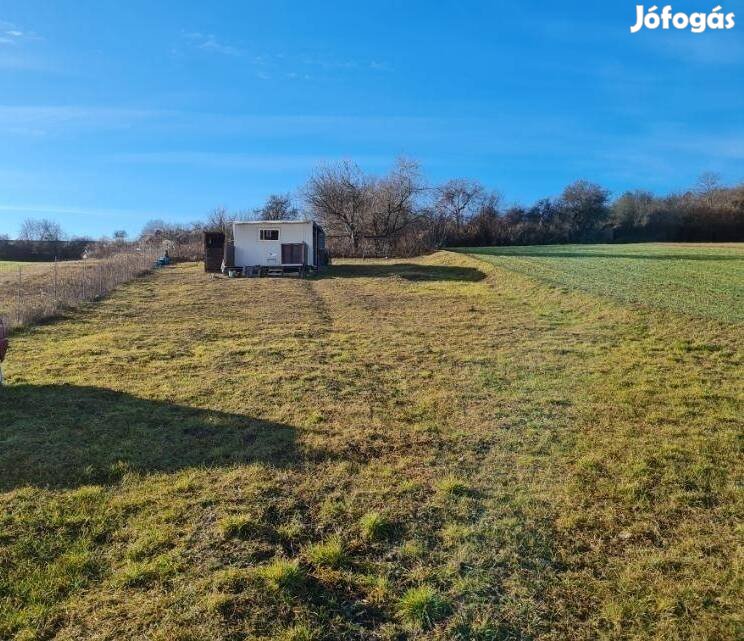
[290, 244]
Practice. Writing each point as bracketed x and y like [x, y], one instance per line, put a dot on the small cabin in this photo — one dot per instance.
[282, 245]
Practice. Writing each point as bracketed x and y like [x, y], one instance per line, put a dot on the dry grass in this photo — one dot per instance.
[436, 449]
[31, 292]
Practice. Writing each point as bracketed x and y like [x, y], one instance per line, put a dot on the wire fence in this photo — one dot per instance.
[32, 292]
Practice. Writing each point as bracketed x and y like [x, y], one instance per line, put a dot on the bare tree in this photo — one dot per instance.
[278, 207]
[708, 184]
[486, 224]
[393, 204]
[40, 230]
[583, 209]
[459, 199]
[632, 211]
[219, 219]
[455, 202]
[340, 197]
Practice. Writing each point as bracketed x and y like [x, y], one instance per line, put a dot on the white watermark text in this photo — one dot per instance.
[667, 18]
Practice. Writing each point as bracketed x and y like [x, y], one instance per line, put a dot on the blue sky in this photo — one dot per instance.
[113, 113]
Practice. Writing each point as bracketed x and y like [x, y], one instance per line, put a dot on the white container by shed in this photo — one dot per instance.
[293, 244]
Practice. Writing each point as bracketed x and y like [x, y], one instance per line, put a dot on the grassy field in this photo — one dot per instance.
[32, 274]
[440, 448]
[34, 292]
[699, 280]
[11, 265]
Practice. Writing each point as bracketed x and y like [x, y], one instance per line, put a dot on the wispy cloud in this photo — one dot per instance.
[17, 52]
[329, 63]
[210, 43]
[274, 65]
[10, 34]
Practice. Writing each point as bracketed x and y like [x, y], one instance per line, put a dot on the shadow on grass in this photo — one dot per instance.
[556, 251]
[407, 271]
[62, 436]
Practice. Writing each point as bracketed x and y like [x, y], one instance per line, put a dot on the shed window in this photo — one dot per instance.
[269, 234]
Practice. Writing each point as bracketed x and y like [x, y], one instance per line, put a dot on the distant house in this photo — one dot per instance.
[288, 245]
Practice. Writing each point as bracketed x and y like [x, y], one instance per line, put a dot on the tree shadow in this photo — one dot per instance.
[62, 436]
[556, 251]
[407, 271]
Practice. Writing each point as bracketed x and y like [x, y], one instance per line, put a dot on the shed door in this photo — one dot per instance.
[293, 253]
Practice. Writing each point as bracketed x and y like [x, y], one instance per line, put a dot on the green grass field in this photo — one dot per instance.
[435, 448]
[10, 265]
[698, 280]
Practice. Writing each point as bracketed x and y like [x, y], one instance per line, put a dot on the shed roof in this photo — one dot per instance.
[274, 222]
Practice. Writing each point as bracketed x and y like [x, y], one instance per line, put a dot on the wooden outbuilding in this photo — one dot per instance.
[214, 250]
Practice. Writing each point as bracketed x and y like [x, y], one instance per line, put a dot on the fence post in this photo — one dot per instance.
[56, 277]
[18, 301]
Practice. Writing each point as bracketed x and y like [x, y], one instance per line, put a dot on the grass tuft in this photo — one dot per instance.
[412, 550]
[220, 602]
[423, 606]
[378, 588]
[329, 553]
[232, 579]
[454, 486]
[375, 526]
[283, 574]
[238, 527]
[145, 573]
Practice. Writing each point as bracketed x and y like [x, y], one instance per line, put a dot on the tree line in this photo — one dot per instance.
[400, 214]
[41, 240]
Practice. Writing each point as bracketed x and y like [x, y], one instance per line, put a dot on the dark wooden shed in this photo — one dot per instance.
[214, 250]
